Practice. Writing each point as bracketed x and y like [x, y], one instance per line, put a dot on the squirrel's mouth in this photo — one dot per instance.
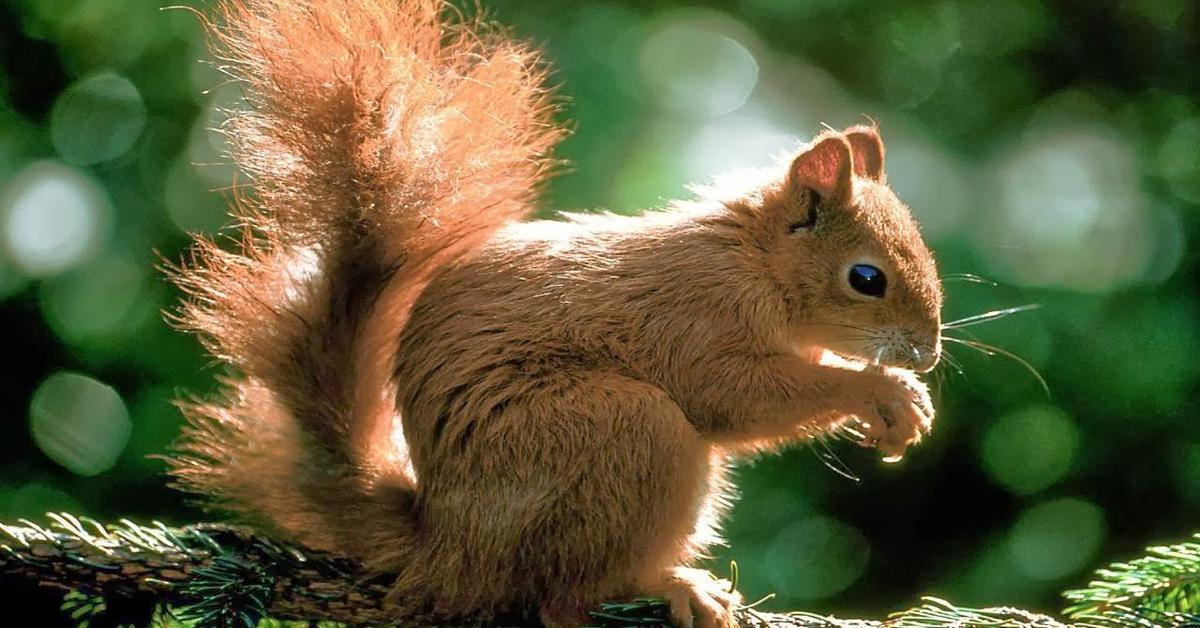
[883, 350]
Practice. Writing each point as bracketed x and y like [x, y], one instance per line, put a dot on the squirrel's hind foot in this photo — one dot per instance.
[699, 599]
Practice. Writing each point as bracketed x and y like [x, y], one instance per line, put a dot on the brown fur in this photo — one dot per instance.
[569, 392]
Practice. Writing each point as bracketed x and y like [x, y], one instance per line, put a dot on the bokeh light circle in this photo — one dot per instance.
[100, 303]
[208, 148]
[35, 499]
[53, 217]
[1056, 539]
[692, 65]
[79, 422]
[816, 558]
[192, 203]
[96, 119]
[1071, 213]
[1179, 160]
[1030, 449]
[931, 182]
[746, 139]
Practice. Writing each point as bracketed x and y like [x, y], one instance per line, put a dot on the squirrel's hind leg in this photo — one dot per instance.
[587, 487]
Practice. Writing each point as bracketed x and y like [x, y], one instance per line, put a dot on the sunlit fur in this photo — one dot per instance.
[568, 393]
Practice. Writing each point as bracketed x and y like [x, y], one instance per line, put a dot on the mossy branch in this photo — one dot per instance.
[220, 575]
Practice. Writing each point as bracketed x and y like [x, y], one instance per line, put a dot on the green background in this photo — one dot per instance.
[1050, 147]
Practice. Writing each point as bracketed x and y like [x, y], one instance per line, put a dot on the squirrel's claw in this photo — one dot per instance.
[900, 417]
[700, 600]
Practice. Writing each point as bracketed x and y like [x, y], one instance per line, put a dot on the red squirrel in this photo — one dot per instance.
[512, 414]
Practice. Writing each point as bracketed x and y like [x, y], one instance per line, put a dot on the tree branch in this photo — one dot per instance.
[220, 575]
[185, 567]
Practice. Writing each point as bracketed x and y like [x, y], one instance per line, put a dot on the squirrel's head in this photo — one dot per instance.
[858, 279]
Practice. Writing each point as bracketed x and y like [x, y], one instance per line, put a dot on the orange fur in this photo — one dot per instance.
[569, 392]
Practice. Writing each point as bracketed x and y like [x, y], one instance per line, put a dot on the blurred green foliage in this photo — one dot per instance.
[1050, 146]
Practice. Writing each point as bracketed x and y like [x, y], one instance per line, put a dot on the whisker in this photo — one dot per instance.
[829, 459]
[952, 362]
[969, 278]
[992, 350]
[987, 317]
[865, 330]
[970, 334]
[848, 431]
[939, 385]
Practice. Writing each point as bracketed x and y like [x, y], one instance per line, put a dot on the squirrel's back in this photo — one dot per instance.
[628, 295]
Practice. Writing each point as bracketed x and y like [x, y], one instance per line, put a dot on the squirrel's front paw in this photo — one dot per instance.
[895, 411]
[700, 600]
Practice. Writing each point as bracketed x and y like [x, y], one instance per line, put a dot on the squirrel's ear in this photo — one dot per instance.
[825, 167]
[868, 151]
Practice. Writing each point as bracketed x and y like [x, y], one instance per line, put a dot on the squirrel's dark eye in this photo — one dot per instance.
[868, 280]
[810, 217]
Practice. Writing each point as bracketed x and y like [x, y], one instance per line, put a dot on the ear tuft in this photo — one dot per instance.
[868, 151]
[825, 167]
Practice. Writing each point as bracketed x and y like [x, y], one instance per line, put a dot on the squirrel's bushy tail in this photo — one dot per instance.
[381, 138]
